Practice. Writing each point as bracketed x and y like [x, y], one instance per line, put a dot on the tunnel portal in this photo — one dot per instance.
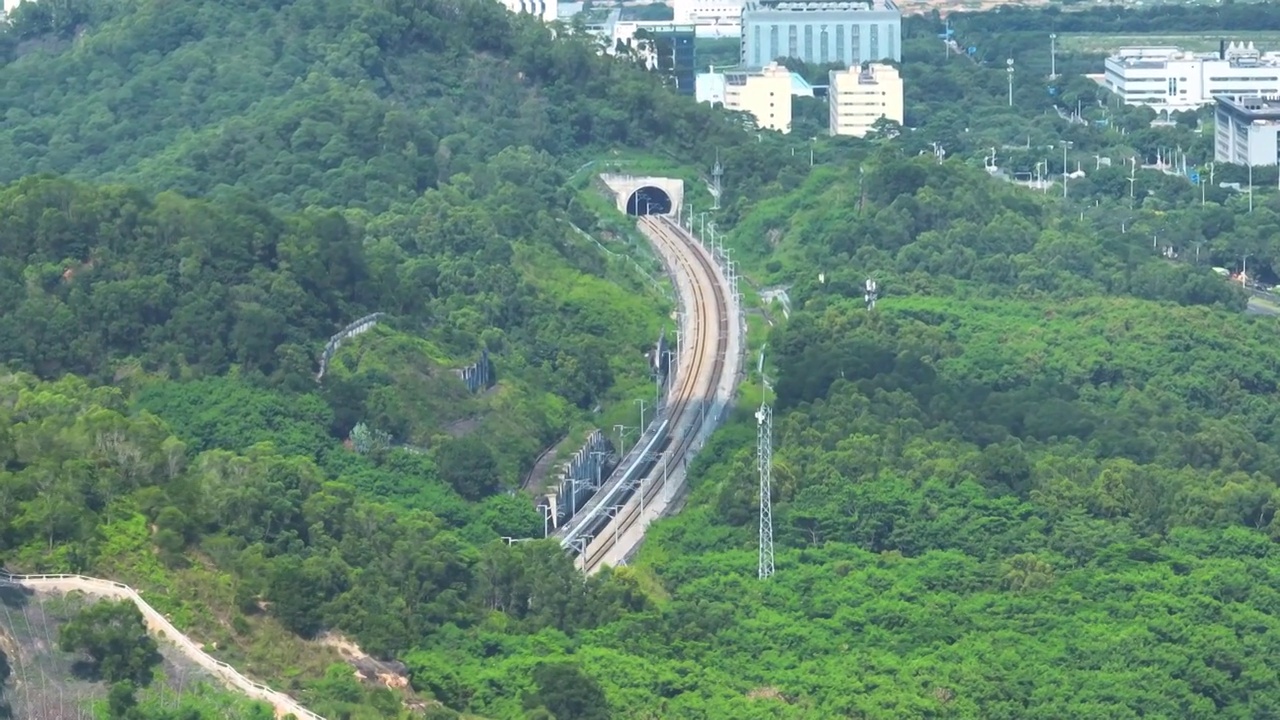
[649, 200]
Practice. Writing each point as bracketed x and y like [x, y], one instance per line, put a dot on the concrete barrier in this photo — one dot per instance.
[156, 623]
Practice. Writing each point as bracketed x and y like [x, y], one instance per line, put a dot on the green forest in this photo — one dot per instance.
[1038, 480]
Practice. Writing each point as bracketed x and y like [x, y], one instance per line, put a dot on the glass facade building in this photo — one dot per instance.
[674, 47]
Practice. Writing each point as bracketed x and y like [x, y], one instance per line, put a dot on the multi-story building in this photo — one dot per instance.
[713, 18]
[666, 47]
[1168, 79]
[765, 93]
[861, 95]
[848, 32]
[546, 10]
[1245, 131]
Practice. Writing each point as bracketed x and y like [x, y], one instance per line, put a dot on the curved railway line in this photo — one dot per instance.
[703, 362]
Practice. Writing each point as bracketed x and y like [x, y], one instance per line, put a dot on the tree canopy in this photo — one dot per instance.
[1037, 481]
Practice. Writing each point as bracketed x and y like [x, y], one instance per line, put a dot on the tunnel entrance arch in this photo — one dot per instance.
[649, 200]
[664, 195]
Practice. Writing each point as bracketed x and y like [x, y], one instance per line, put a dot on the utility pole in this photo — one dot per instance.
[613, 511]
[1064, 169]
[1053, 55]
[1009, 63]
[764, 463]
[1251, 187]
[546, 520]
[622, 431]
[717, 173]
[641, 402]
[599, 455]
[1133, 175]
[657, 387]
[573, 496]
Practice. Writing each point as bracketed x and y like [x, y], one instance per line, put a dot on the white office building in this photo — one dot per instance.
[848, 32]
[1170, 80]
[546, 10]
[1246, 131]
[766, 93]
[712, 18]
[861, 95]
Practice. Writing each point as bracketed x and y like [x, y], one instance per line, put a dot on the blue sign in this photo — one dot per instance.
[973, 50]
[1195, 177]
[1053, 90]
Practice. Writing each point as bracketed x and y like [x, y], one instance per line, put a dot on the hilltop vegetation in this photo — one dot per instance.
[1031, 484]
[1037, 482]
[315, 102]
[221, 188]
[948, 229]
[40, 679]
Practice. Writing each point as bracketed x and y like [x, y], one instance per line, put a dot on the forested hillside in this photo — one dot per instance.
[948, 229]
[1006, 510]
[316, 102]
[200, 196]
[1038, 481]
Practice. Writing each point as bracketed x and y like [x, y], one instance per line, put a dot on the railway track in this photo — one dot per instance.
[699, 377]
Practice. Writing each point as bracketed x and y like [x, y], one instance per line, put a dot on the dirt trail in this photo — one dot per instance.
[156, 623]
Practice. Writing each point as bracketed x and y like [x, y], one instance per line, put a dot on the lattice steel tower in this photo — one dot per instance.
[764, 462]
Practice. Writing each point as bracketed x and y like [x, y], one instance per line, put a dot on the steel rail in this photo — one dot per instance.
[619, 487]
[673, 236]
[586, 517]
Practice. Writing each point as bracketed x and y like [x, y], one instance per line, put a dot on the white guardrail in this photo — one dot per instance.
[157, 623]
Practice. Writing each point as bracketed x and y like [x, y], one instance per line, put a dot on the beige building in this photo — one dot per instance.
[766, 94]
[861, 95]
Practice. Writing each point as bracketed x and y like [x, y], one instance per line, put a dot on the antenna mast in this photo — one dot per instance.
[872, 293]
[764, 461]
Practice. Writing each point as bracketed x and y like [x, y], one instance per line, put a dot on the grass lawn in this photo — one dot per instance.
[1094, 43]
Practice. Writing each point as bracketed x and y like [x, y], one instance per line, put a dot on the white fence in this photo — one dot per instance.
[331, 348]
[157, 623]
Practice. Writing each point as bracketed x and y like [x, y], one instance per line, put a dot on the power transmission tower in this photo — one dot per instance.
[764, 461]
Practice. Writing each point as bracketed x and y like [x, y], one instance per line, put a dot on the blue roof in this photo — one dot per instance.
[800, 86]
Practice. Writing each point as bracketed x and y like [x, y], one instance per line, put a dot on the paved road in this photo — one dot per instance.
[1258, 306]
